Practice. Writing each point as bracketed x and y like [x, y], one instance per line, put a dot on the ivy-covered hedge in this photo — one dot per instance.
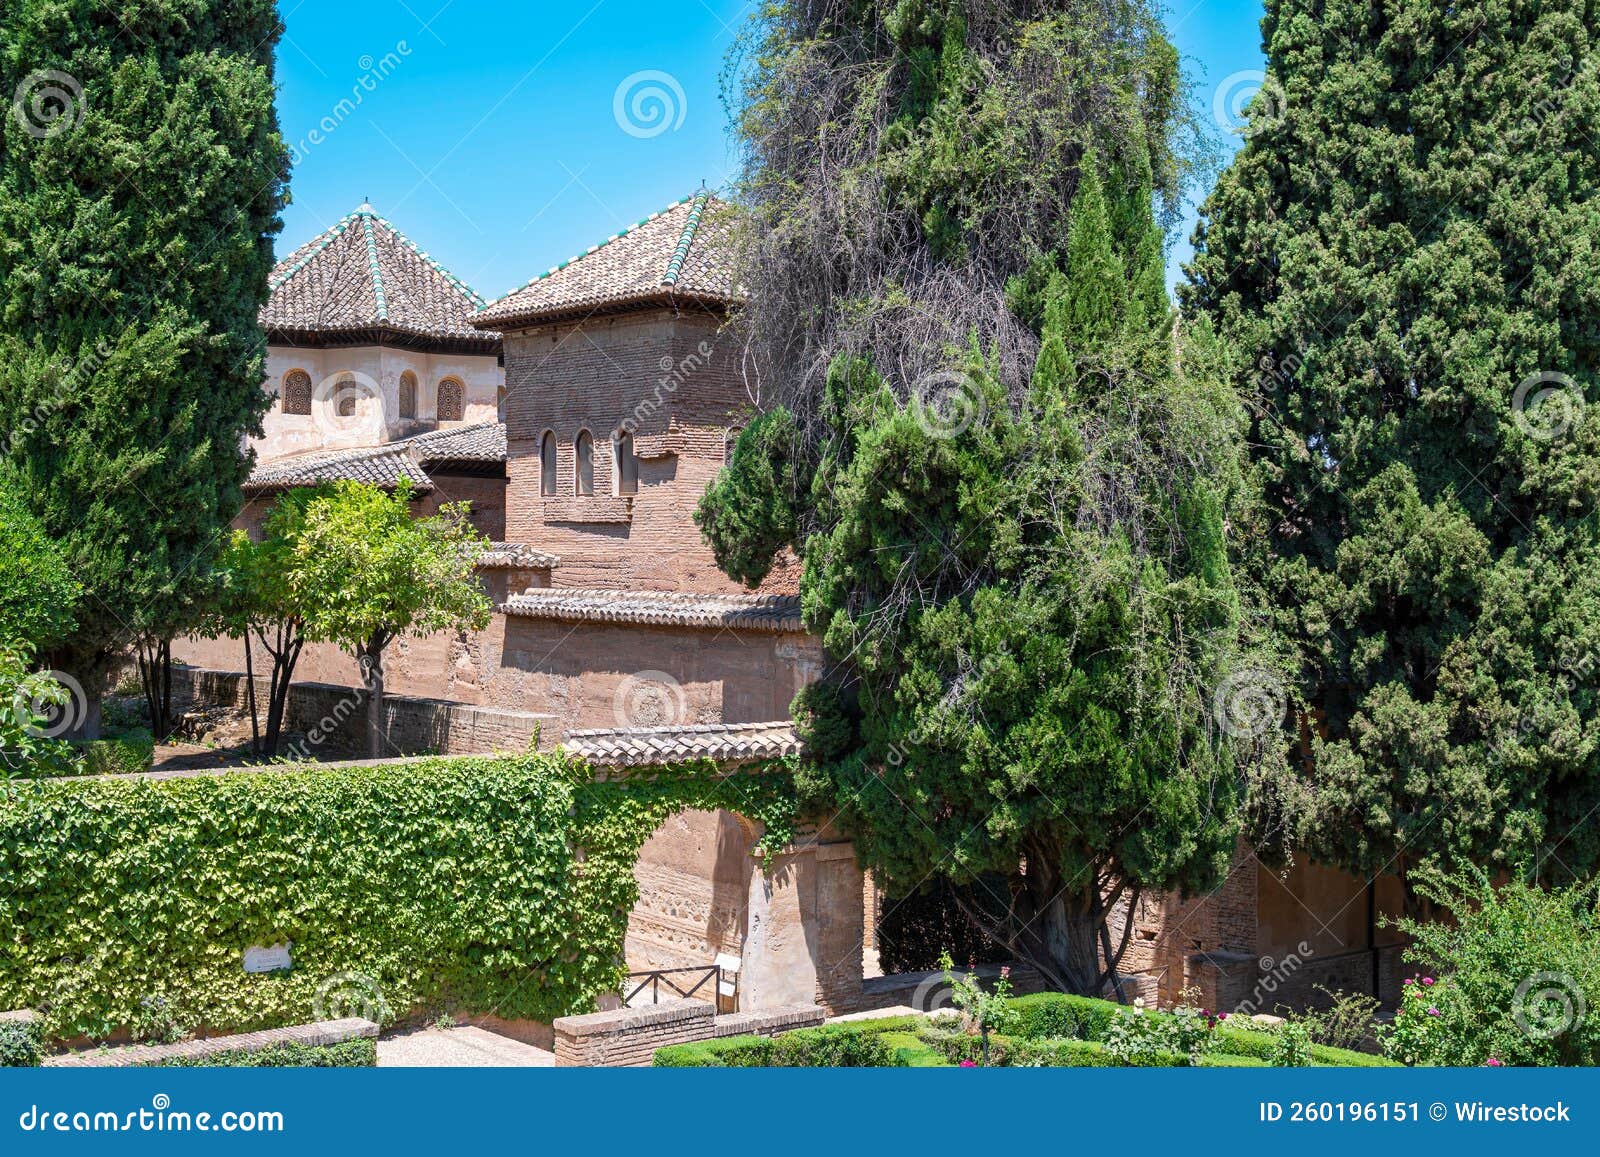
[21, 1043]
[470, 884]
[361, 1053]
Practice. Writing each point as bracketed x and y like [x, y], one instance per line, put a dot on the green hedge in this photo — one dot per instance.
[831, 1046]
[119, 754]
[1236, 1041]
[441, 884]
[21, 1043]
[361, 1053]
[1045, 1015]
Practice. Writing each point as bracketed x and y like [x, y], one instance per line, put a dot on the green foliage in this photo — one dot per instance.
[1059, 1015]
[361, 1053]
[1514, 977]
[914, 929]
[137, 234]
[734, 1052]
[21, 1043]
[746, 536]
[27, 699]
[831, 1047]
[364, 568]
[118, 754]
[37, 590]
[1291, 1046]
[1397, 254]
[445, 883]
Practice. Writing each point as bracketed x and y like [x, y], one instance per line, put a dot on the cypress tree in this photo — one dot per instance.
[141, 175]
[1403, 260]
[1006, 491]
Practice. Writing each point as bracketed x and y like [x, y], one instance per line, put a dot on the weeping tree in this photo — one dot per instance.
[1402, 256]
[1006, 484]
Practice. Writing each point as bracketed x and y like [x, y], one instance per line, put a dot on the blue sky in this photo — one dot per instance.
[489, 132]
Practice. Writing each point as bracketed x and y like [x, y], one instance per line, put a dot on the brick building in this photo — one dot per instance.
[598, 402]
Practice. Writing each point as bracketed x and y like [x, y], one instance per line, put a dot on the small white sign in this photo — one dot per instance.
[273, 959]
[728, 963]
[725, 987]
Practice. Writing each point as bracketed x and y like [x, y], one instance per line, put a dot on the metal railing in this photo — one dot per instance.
[679, 982]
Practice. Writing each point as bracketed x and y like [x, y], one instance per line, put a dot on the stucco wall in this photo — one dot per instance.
[286, 434]
[694, 883]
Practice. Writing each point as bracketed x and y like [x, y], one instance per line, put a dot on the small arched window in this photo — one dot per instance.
[626, 472]
[296, 392]
[408, 395]
[452, 400]
[547, 463]
[584, 448]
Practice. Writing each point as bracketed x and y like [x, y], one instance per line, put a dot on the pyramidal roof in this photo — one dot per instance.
[679, 255]
[365, 280]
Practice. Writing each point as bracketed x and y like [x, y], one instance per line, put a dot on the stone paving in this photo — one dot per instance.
[458, 1047]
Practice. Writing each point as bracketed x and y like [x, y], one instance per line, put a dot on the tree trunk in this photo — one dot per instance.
[370, 660]
[250, 697]
[155, 677]
[284, 654]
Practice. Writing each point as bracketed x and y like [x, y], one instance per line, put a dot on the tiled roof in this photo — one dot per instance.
[484, 442]
[364, 275]
[384, 465]
[679, 254]
[516, 555]
[660, 608]
[723, 742]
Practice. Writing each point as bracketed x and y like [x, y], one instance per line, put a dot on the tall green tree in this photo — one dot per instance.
[141, 175]
[1007, 491]
[1403, 256]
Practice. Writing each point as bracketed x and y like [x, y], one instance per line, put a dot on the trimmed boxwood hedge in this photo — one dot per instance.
[476, 884]
[361, 1053]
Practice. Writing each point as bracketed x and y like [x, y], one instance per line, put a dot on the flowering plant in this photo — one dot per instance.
[983, 1012]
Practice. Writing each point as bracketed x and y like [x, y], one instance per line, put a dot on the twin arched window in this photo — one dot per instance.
[296, 394]
[452, 400]
[408, 395]
[624, 466]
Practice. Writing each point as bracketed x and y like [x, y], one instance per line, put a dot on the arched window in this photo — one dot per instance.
[408, 395]
[452, 400]
[584, 448]
[296, 392]
[547, 463]
[625, 474]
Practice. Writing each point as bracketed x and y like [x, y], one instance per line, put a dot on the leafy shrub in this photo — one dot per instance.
[1044, 1015]
[911, 1051]
[832, 1047]
[441, 883]
[120, 754]
[1229, 1061]
[1518, 980]
[1141, 1036]
[730, 1052]
[21, 1043]
[361, 1053]
[1236, 1040]
[1291, 1046]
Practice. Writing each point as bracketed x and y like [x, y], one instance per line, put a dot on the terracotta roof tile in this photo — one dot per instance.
[364, 274]
[723, 742]
[660, 608]
[384, 465]
[678, 254]
[516, 555]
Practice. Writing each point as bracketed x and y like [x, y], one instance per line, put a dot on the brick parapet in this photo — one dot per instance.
[325, 1032]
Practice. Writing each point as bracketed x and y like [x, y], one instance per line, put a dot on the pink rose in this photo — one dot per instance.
[1495, 1064]
[1433, 1011]
[969, 1064]
[1428, 981]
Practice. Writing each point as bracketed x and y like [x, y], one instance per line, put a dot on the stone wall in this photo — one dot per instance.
[333, 718]
[575, 672]
[694, 884]
[630, 1036]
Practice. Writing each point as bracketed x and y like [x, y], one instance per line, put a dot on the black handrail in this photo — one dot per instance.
[654, 978]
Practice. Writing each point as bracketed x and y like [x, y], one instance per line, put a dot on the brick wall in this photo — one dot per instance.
[630, 1036]
[675, 381]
